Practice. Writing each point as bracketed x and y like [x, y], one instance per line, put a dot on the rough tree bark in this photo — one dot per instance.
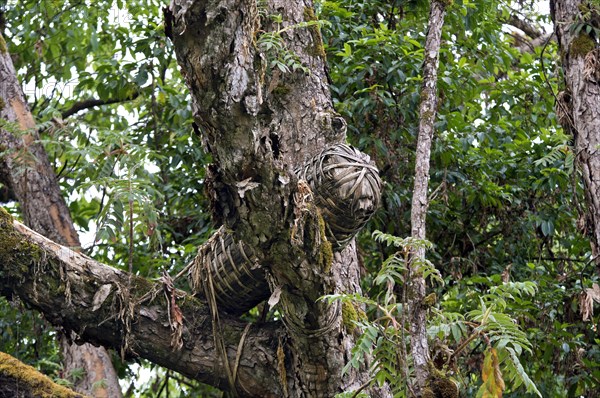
[578, 107]
[258, 123]
[29, 176]
[420, 199]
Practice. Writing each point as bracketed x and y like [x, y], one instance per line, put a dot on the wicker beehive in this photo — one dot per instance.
[347, 191]
[239, 281]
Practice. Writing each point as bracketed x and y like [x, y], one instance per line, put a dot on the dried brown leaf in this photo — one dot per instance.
[586, 301]
[493, 384]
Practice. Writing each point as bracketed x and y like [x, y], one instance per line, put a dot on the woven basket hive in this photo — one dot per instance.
[238, 280]
[347, 191]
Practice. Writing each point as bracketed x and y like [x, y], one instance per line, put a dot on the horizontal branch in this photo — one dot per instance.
[93, 102]
[524, 44]
[106, 306]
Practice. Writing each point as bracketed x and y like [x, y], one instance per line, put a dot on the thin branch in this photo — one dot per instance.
[420, 202]
[94, 102]
[524, 44]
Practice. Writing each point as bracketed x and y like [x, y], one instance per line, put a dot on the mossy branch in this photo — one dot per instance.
[41, 273]
[24, 381]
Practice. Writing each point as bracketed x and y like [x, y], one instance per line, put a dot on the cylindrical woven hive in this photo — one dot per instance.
[347, 191]
[239, 281]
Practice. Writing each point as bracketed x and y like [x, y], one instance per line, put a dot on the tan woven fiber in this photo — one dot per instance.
[347, 191]
[239, 281]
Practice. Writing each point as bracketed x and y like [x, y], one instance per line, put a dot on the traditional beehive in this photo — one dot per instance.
[347, 190]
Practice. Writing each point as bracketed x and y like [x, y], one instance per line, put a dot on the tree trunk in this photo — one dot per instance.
[260, 122]
[29, 175]
[420, 200]
[579, 104]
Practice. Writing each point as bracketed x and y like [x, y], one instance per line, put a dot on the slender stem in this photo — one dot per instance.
[420, 202]
[130, 227]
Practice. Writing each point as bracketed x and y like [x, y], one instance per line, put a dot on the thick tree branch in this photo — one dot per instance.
[31, 179]
[534, 36]
[94, 302]
[525, 26]
[23, 381]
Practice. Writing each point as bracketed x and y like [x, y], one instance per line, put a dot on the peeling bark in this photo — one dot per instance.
[420, 199]
[30, 177]
[580, 58]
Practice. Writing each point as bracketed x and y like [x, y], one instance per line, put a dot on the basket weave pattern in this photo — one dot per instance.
[347, 191]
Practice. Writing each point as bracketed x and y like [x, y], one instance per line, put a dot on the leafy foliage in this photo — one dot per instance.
[505, 216]
[272, 45]
[115, 119]
[385, 337]
[506, 222]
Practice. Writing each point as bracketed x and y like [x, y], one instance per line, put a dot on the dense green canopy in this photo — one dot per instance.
[506, 220]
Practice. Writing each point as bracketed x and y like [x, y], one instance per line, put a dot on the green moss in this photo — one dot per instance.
[588, 7]
[581, 45]
[18, 257]
[583, 7]
[3, 47]
[444, 388]
[362, 316]
[427, 393]
[2, 103]
[317, 49]
[326, 249]
[430, 300]
[352, 313]
[280, 89]
[309, 14]
[11, 249]
[41, 386]
[440, 385]
[349, 315]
